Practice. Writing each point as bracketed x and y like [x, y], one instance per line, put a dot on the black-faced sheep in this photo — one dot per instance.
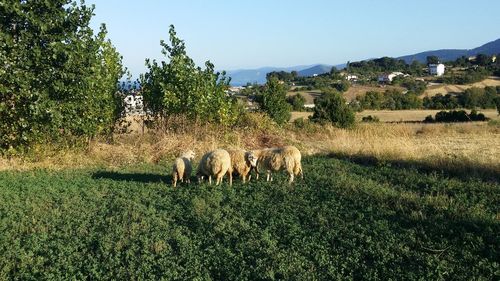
[275, 159]
[181, 169]
[216, 164]
[242, 162]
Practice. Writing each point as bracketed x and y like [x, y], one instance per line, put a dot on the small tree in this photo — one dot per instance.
[297, 101]
[180, 87]
[273, 101]
[332, 107]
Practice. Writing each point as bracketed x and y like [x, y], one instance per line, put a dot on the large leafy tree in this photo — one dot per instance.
[179, 87]
[58, 80]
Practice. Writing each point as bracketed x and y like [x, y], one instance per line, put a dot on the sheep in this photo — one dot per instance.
[181, 169]
[242, 162]
[215, 163]
[275, 159]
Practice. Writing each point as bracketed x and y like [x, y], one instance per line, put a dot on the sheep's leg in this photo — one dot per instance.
[210, 180]
[243, 178]
[174, 179]
[291, 178]
[268, 176]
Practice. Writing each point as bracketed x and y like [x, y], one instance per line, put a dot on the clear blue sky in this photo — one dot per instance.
[255, 33]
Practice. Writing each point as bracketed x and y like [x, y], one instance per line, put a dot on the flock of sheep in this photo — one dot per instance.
[217, 163]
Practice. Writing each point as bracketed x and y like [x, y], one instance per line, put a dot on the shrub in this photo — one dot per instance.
[332, 107]
[297, 101]
[456, 116]
[371, 119]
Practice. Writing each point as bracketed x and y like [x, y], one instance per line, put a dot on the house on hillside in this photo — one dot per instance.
[388, 77]
[436, 69]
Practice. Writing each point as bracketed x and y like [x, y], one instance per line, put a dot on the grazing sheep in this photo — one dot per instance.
[274, 159]
[242, 162]
[182, 167]
[215, 163]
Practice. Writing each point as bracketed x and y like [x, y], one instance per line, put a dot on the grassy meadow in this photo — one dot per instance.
[349, 219]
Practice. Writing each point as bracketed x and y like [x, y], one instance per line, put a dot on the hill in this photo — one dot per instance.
[490, 48]
[243, 76]
[317, 69]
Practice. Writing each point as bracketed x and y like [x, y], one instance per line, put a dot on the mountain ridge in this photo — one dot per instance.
[243, 76]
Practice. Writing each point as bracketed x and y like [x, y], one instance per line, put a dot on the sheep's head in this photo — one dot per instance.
[252, 159]
[189, 155]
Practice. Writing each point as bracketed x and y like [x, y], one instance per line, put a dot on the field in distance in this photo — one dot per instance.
[452, 88]
[398, 115]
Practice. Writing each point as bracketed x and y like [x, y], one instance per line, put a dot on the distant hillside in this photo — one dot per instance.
[491, 48]
[317, 69]
[243, 76]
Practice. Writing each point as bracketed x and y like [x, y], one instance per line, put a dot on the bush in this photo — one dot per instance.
[370, 119]
[456, 116]
[332, 107]
[297, 102]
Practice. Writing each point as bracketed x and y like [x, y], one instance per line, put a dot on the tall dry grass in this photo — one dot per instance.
[451, 146]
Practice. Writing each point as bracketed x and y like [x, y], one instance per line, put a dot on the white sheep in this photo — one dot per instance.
[216, 164]
[242, 162]
[181, 169]
[274, 159]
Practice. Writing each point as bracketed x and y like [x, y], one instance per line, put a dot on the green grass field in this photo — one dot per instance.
[346, 220]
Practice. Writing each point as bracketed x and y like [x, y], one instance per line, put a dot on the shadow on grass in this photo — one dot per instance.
[452, 169]
[137, 177]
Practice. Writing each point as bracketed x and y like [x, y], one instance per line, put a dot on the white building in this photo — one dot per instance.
[387, 77]
[436, 69]
[352, 77]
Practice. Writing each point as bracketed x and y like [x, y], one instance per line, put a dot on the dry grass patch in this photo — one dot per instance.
[454, 88]
[467, 147]
[413, 115]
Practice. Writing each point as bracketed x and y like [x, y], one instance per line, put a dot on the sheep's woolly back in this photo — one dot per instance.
[181, 169]
[275, 159]
[238, 161]
[215, 162]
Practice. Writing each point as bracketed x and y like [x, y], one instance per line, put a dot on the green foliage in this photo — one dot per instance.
[456, 116]
[297, 101]
[344, 221]
[432, 60]
[370, 119]
[180, 87]
[471, 98]
[341, 86]
[471, 75]
[390, 99]
[59, 80]
[283, 75]
[332, 107]
[384, 64]
[273, 101]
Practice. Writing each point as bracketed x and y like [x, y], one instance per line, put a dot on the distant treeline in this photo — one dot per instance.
[471, 98]
[395, 100]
